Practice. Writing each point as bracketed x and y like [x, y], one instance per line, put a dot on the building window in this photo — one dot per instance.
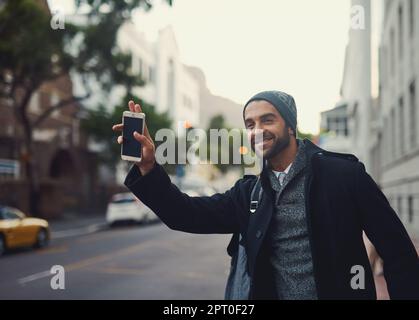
[411, 209]
[392, 51]
[140, 66]
[400, 206]
[346, 130]
[393, 133]
[171, 87]
[412, 101]
[411, 17]
[338, 125]
[54, 99]
[401, 125]
[385, 152]
[145, 73]
[383, 68]
[151, 76]
[400, 31]
[34, 103]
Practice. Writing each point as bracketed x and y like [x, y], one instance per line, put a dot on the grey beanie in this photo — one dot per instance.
[283, 102]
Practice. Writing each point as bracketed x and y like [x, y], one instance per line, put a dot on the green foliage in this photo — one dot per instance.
[302, 135]
[98, 123]
[31, 52]
[218, 122]
[154, 120]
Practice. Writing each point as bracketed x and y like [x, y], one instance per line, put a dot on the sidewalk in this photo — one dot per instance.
[76, 224]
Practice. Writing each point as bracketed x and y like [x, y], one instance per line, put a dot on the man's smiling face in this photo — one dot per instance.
[263, 118]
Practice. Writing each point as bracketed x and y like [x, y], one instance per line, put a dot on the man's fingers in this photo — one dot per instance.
[140, 138]
[118, 127]
[131, 105]
[143, 139]
[146, 133]
[137, 108]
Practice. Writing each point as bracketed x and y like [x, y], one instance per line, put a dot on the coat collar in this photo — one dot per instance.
[297, 166]
[310, 150]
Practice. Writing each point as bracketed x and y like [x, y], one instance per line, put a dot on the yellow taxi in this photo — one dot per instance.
[17, 230]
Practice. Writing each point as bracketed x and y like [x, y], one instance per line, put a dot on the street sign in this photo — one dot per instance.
[9, 168]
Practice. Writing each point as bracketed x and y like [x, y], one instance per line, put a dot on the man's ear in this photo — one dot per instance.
[291, 132]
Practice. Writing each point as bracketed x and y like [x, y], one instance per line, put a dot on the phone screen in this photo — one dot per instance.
[130, 146]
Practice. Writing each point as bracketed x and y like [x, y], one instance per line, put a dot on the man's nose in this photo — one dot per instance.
[256, 133]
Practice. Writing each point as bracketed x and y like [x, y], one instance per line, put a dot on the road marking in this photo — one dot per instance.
[108, 256]
[90, 261]
[33, 277]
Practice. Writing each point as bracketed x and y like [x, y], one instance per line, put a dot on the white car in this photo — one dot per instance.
[126, 207]
[191, 192]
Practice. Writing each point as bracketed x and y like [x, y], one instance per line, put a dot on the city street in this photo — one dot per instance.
[127, 262]
[131, 262]
[314, 139]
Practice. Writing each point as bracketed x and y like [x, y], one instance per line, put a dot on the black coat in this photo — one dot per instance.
[342, 200]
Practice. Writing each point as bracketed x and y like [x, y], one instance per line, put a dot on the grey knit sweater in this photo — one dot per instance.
[288, 237]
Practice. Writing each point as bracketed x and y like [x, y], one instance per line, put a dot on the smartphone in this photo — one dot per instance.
[131, 148]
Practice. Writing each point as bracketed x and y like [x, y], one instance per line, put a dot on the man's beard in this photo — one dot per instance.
[280, 143]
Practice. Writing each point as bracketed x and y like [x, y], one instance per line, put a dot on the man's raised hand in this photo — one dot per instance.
[148, 158]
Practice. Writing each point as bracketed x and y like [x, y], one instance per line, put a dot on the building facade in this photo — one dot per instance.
[169, 86]
[383, 132]
[398, 114]
[65, 170]
[346, 127]
[356, 83]
[334, 129]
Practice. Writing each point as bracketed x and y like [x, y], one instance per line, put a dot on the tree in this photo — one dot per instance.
[218, 122]
[98, 122]
[302, 135]
[32, 54]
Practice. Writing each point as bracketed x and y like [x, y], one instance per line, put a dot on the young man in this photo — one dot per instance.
[301, 237]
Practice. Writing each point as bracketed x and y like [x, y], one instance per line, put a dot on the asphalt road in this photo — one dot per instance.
[135, 262]
[131, 262]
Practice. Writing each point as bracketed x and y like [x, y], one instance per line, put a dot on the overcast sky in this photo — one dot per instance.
[246, 46]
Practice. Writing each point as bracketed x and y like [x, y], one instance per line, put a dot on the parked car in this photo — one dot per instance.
[151, 216]
[207, 191]
[195, 187]
[125, 207]
[18, 230]
[191, 192]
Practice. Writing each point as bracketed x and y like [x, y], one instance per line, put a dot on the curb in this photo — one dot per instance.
[79, 231]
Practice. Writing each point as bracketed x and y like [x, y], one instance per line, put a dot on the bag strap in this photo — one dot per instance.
[255, 196]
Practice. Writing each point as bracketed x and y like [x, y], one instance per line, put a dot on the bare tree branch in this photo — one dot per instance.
[20, 111]
[43, 116]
